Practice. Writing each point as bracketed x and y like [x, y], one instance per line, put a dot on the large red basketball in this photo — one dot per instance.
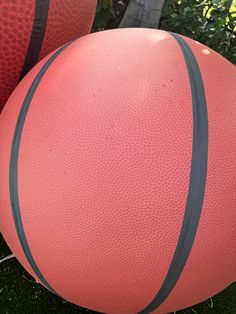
[118, 162]
[30, 29]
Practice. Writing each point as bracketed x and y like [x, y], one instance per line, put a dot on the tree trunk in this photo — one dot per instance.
[143, 13]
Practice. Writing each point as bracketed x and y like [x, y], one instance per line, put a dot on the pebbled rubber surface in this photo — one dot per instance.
[103, 172]
[66, 21]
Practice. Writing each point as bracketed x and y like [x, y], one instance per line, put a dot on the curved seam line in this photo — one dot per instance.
[13, 169]
[37, 36]
[197, 184]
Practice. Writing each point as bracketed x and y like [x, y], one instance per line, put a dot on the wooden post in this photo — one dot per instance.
[143, 13]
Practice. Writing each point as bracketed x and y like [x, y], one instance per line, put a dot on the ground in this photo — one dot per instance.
[19, 294]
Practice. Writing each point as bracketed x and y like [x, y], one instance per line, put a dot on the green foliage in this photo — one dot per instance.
[105, 13]
[211, 22]
[109, 14]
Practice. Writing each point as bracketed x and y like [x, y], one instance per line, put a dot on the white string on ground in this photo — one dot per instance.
[210, 303]
[29, 280]
[7, 258]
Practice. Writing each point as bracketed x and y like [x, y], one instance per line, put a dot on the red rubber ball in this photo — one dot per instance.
[30, 29]
[118, 163]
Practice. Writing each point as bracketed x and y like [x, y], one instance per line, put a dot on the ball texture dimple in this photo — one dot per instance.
[13, 46]
[67, 20]
[104, 169]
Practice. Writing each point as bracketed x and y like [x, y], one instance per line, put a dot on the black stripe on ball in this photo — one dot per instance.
[37, 35]
[198, 175]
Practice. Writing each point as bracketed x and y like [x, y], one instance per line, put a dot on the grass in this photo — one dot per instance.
[20, 294]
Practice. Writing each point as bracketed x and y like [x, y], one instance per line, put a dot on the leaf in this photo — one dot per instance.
[187, 9]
